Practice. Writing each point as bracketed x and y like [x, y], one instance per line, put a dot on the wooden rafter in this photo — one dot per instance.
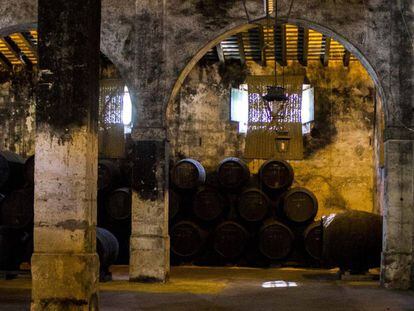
[220, 53]
[28, 43]
[5, 62]
[15, 50]
[327, 51]
[262, 45]
[283, 58]
[303, 45]
[241, 48]
[347, 58]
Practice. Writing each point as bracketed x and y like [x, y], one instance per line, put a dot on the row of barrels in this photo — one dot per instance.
[17, 215]
[229, 216]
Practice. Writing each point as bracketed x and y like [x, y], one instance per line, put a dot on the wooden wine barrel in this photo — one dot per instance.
[187, 239]
[109, 175]
[233, 173]
[29, 167]
[118, 205]
[10, 249]
[107, 247]
[276, 174]
[253, 205]
[11, 171]
[299, 205]
[275, 240]
[17, 209]
[313, 240]
[352, 240]
[188, 174]
[174, 204]
[230, 240]
[208, 204]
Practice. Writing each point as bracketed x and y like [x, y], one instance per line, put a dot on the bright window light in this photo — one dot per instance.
[127, 108]
[279, 284]
[308, 109]
[240, 108]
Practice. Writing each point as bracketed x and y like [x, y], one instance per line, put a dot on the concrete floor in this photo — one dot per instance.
[199, 289]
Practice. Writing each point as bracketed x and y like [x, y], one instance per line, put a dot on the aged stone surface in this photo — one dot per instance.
[65, 264]
[168, 37]
[17, 111]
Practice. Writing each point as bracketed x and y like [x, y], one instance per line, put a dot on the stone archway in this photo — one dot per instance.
[395, 274]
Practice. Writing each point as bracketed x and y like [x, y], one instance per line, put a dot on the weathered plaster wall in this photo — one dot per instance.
[17, 112]
[200, 125]
[338, 165]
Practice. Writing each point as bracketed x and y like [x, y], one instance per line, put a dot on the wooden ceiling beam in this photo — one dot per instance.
[347, 58]
[28, 43]
[241, 48]
[220, 53]
[262, 46]
[303, 45]
[5, 62]
[15, 50]
[327, 51]
[283, 58]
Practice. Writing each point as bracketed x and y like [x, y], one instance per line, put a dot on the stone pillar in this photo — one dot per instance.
[398, 244]
[149, 261]
[150, 246]
[65, 266]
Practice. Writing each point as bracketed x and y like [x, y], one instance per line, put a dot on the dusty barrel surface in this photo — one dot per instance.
[11, 171]
[276, 174]
[230, 239]
[109, 175]
[107, 247]
[275, 240]
[233, 173]
[299, 205]
[313, 240]
[188, 174]
[352, 240]
[29, 167]
[174, 204]
[17, 209]
[208, 204]
[187, 239]
[253, 205]
[118, 205]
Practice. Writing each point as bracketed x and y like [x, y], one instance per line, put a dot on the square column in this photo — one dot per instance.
[398, 235]
[150, 245]
[65, 266]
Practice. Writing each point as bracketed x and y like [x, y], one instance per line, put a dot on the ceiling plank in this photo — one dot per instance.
[327, 51]
[303, 45]
[5, 62]
[347, 58]
[28, 43]
[220, 53]
[262, 45]
[283, 58]
[241, 48]
[15, 50]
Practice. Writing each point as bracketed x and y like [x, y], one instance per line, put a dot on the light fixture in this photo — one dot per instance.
[282, 141]
[279, 284]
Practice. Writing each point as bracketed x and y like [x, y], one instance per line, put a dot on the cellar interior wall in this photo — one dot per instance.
[338, 163]
[17, 111]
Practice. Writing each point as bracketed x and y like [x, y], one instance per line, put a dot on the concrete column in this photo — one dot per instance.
[398, 244]
[150, 245]
[65, 266]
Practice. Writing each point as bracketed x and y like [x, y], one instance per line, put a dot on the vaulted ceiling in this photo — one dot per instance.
[284, 42]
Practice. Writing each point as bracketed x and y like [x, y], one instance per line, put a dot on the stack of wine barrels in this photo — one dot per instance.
[17, 214]
[16, 210]
[114, 204]
[229, 216]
